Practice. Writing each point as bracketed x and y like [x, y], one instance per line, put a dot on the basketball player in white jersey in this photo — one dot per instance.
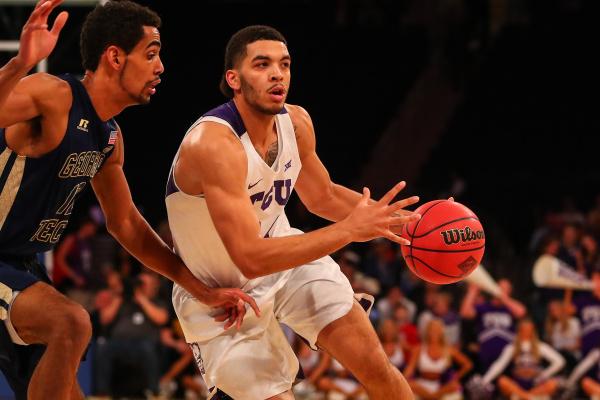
[229, 183]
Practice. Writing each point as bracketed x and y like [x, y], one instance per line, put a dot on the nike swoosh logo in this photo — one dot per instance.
[251, 186]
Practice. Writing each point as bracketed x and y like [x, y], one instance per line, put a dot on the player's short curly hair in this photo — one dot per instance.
[236, 48]
[119, 23]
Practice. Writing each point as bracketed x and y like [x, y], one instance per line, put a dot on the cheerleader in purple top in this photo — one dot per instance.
[527, 378]
[495, 321]
[587, 309]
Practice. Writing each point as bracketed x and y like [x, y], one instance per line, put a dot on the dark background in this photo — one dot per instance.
[497, 97]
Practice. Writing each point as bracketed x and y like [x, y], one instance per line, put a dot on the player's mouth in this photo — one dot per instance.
[153, 86]
[277, 93]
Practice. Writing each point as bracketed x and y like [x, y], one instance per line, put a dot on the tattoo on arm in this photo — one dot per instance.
[272, 153]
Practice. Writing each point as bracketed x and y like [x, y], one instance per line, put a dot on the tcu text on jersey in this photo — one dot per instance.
[276, 191]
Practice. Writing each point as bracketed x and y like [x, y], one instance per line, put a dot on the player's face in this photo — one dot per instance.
[140, 74]
[265, 75]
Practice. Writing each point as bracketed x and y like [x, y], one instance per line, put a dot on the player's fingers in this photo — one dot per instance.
[231, 319]
[389, 196]
[241, 311]
[250, 300]
[396, 229]
[395, 238]
[59, 22]
[400, 204]
[450, 198]
[366, 195]
[33, 27]
[221, 317]
[39, 4]
[39, 9]
[48, 7]
[403, 219]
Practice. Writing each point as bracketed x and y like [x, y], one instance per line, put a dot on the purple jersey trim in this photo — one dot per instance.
[228, 112]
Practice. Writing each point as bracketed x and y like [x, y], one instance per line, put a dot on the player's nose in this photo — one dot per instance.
[276, 74]
[160, 67]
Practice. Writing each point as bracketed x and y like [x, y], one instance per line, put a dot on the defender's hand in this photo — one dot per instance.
[37, 42]
[233, 302]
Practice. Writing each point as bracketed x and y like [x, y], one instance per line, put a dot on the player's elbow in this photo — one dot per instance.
[114, 228]
[245, 263]
[321, 204]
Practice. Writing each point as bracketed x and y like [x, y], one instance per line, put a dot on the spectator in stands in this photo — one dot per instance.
[563, 332]
[526, 378]
[495, 319]
[406, 329]
[349, 263]
[73, 263]
[181, 363]
[387, 305]
[570, 248]
[441, 309]
[587, 308]
[133, 318]
[429, 371]
[383, 264]
[591, 256]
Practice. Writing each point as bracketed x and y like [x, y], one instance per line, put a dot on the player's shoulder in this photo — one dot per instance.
[209, 139]
[298, 115]
[48, 90]
[42, 82]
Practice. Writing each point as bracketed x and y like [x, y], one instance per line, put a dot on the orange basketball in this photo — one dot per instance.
[447, 243]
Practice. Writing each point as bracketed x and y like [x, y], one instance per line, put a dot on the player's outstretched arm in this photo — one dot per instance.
[212, 162]
[36, 43]
[127, 225]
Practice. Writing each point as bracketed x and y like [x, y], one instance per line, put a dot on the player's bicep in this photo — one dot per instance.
[222, 168]
[34, 95]
[19, 106]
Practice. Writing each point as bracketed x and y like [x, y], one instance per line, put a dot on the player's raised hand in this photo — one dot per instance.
[37, 41]
[370, 220]
[233, 301]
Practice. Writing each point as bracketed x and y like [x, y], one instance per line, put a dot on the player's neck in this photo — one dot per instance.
[258, 125]
[99, 88]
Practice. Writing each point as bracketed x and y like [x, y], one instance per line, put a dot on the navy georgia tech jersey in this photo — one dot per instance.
[37, 194]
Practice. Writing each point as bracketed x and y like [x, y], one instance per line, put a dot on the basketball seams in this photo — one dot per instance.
[444, 224]
[433, 269]
[449, 251]
[417, 224]
[422, 215]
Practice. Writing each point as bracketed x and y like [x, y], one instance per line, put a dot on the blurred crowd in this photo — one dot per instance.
[451, 342]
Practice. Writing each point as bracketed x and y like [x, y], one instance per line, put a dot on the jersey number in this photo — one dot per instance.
[67, 206]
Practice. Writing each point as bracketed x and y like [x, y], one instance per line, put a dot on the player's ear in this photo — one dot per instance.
[115, 57]
[233, 79]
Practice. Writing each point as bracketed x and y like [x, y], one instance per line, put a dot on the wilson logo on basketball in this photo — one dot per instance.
[454, 236]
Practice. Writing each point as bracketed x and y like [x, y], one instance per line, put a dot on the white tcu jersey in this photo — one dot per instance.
[195, 237]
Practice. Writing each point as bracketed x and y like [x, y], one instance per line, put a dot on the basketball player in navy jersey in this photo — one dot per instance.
[58, 135]
[226, 194]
